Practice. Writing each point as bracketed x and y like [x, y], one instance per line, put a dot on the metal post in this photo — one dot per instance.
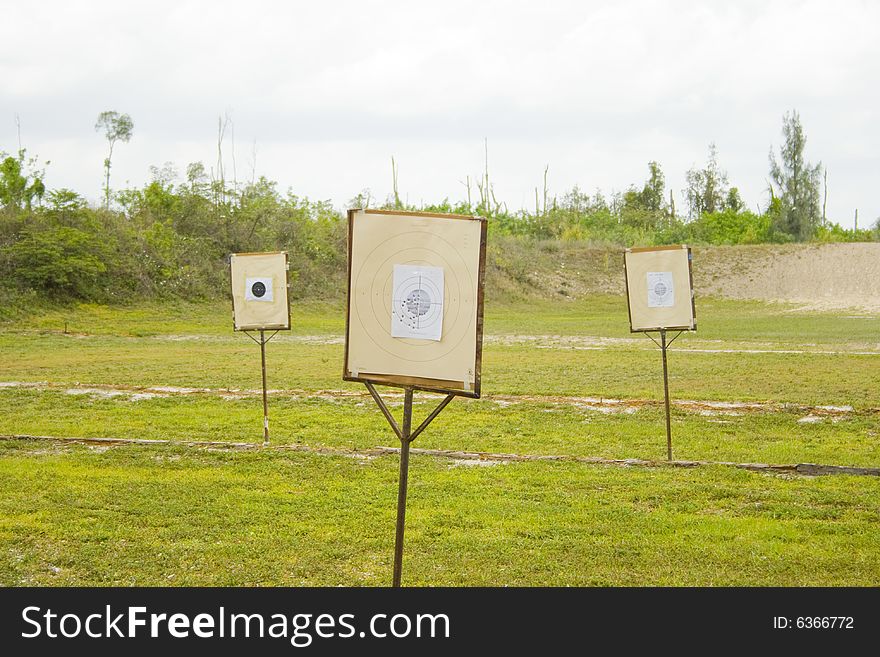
[666, 395]
[265, 399]
[402, 483]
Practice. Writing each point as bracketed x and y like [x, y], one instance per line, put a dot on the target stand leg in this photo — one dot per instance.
[265, 396]
[403, 481]
[663, 346]
[262, 342]
[406, 435]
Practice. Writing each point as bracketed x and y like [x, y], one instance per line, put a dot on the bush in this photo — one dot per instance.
[172, 241]
[731, 227]
[57, 259]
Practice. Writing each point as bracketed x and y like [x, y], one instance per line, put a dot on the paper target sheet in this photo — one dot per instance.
[417, 302]
[258, 289]
[661, 290]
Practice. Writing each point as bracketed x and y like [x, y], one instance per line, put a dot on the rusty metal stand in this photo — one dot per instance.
[664, 345]
[262, 342]
[406, 435]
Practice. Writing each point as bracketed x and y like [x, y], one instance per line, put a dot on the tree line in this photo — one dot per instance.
[171, 238]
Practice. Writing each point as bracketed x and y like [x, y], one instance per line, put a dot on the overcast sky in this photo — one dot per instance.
[325, 93]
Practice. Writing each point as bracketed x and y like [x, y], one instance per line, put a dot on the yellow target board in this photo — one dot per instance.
[659, 288]
[259, 291]
[415, 300]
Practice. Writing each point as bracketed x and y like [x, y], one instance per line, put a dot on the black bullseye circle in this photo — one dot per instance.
[258, 289]
[418, 302]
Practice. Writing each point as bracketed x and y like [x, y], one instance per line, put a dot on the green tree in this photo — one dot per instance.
[116, 127]
[197, 178]
[707, 187]
[651, 196]
[734, 200]
[796, 182]
[65, 206]
[20, 181]
[643, 209]
[58, 259]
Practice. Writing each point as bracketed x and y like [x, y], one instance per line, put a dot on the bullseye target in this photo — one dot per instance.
[415, 302]
[659, 287]
[259, 291]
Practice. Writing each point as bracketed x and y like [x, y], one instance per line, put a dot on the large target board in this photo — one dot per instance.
[259, 291]
[415, 300]
[659, 288]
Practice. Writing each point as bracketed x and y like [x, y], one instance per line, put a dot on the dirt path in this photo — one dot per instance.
[460, 458]
[544, 341]
[811, 413]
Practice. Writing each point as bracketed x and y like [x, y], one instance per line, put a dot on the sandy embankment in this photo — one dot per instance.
[819, 276]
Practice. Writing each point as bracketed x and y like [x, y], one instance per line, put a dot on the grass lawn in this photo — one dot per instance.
[173, 514]
[742, 351]
[468, 425]
[159, 516]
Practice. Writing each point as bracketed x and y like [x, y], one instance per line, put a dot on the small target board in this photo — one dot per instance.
[415, 300]
[259, 291]
[659, 288]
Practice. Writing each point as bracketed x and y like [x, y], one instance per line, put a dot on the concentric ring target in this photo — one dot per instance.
[414, 299]
[374, 302]
[418, 303]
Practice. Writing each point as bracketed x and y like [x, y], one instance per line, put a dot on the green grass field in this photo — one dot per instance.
[563, 379]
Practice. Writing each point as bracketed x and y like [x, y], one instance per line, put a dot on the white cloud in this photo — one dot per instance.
[331, 90]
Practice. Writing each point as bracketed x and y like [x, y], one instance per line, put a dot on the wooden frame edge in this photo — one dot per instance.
[416, 213]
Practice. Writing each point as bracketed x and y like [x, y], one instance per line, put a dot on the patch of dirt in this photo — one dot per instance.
[300, 339]
[477, 463]
[467, 459]
[821, 352]
[395, 399]
[815, 277]
[549, 341]
[95, 392]
[520, 269]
